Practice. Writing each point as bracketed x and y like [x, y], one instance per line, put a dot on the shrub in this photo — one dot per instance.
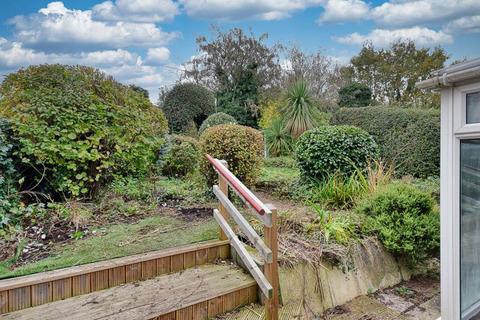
[244, 112]
[409, 138]
[355, 95]
[278, 139]
[9, 201]
[216, 119]
[187, 102]
[181, 156]
[405, 220]
[324, 151]
[240, 146]
[77, 127]
[269, 110]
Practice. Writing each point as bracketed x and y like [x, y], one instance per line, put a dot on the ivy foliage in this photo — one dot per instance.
[240, 146]
[216, 119]
[77, 127]
[324, 151]
[409, 138]
[186, 104]
[405, 220]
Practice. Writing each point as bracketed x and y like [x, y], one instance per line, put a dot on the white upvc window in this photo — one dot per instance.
[460, 202]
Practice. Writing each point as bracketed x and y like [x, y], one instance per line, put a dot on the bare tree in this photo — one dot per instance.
[320, 72]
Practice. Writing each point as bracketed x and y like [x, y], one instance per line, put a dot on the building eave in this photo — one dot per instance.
[448, 76]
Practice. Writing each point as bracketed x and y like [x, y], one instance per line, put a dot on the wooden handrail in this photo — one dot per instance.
[252, 267]
[238, 186]
[244, 225]
[267, 281]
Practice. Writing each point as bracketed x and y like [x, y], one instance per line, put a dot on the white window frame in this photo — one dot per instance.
[453, 129]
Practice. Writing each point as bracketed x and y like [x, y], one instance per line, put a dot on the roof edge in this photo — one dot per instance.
[447, 77]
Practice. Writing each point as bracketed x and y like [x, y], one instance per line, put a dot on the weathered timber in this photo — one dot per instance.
[246, 228]
[252, 267]
[193, 294]
[33, 290]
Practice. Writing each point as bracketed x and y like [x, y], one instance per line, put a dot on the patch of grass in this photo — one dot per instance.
[280, 181]
[149, 234]
[187, 191]
[280, 162]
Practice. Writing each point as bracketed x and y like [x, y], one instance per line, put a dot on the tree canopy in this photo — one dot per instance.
[391, 73]
[239, 67]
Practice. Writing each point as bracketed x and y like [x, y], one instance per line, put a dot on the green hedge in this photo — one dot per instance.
[409, 138]
[77, 127]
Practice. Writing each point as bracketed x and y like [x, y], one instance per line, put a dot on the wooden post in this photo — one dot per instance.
[271, 269]
[222, 184]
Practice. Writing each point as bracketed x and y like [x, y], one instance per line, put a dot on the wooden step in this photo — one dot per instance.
[193, 294]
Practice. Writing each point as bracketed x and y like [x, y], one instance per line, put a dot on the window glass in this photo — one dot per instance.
[470, 228]
[473, 107]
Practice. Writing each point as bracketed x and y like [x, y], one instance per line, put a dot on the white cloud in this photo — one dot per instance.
[136, 10]
[466, 24]
[382, 37]
[408, 12]
[344, 10]
[245, 9]
[157, 55]
[59, 25]
[124, 66]
[14, 55]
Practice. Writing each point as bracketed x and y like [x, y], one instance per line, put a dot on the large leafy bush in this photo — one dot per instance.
[186, 103]
[355, 95]
[216, 119]
[405, 220]
[409, 138]
[180, 156]
[324, 151]
[240, 146]
[9, 201]
[77, 126]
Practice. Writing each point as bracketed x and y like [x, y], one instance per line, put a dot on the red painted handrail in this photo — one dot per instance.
[236, 184]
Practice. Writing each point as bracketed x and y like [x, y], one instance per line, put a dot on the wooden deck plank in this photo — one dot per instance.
[191, 291]
[41, 293]
[17, 282]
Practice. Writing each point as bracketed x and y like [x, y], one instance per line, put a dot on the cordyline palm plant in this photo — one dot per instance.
[278, 139]
[299, 112]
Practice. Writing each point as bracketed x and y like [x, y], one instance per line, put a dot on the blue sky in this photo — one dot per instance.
[146, 42]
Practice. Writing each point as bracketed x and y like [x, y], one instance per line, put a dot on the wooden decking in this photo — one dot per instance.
[37, 289]
[197, 293]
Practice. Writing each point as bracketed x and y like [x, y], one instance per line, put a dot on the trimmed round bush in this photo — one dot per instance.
[180, 156]
[187, 102]
[405, 220]
[240, 146]
[77, 127]
[216, 119]
[324, 151]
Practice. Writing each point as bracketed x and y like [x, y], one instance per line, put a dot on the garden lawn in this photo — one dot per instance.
[149, 234]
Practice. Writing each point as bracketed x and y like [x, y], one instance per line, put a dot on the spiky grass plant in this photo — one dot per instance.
[299, 112]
